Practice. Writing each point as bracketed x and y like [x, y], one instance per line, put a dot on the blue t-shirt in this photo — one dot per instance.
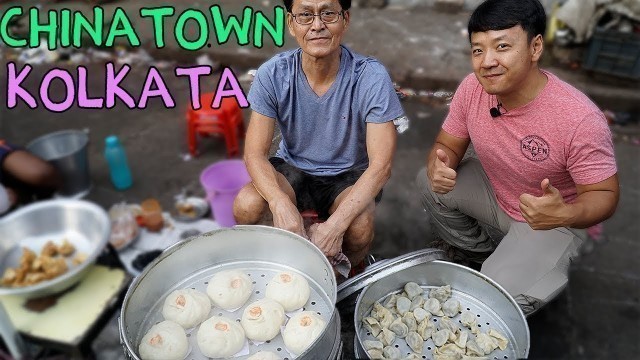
[324, 135]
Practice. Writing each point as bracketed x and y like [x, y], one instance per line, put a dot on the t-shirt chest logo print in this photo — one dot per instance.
[534, 148]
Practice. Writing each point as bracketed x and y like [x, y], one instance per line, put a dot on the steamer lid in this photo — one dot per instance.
[384, 268]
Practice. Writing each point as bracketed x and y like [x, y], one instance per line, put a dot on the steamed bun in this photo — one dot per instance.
[220, 337]
[302, 330]
[166, 340]
[290, 289]
[229, 289]
[186, 307]
[261, 320]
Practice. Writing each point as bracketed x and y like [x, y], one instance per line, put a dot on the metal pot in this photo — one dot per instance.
[67, 150]
[260, 251]
[82, 223]
[476, 292]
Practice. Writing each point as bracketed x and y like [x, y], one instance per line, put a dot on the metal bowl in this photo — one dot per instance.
[82, 223]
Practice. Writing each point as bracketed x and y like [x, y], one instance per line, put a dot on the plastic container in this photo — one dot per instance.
[615, 53]
[222, 181]
[152, 214]
[116, 157]
[67, 151]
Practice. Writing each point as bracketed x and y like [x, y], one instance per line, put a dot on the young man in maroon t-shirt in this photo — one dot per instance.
[545, 167]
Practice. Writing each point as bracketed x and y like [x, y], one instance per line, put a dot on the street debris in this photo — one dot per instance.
[426, 96]
[205, 60]
[140, 57]
[580, 21]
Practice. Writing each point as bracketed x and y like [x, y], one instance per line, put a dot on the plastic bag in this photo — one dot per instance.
[124, 228]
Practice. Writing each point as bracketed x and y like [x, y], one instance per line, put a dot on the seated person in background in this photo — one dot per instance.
[24, 177]
[545, 167]
[336, 111]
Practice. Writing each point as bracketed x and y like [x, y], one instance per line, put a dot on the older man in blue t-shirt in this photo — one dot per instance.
[336, 111]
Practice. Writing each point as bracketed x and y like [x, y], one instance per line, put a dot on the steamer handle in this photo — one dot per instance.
[12, 339]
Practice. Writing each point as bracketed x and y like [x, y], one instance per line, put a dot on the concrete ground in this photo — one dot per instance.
[423, 50]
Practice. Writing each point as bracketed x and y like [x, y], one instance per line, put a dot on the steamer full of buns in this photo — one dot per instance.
[247, 292]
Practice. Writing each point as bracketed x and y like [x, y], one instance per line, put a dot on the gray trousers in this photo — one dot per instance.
[532, 265]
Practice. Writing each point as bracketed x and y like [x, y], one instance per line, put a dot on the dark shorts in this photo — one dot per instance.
[317, 192]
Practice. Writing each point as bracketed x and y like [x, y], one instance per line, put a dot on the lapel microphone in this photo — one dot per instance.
[495, 111]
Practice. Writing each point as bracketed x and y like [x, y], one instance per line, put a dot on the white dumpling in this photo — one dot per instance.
[441, 337]
[403, 305]
[220, 337]
[450, 349]
[302, 330]
[426, 329]
[186, 307]
[446, 323]
[500, 339]
[229, 289]
[372, 325]
[390, 303]
[382, 314]
[441, 293]
[375, 354]
[387, 337]
[264, 355]
[446, 357]
[166, 340]
[451, 307]
[391, 352]
[433, 306]
[290, 289]
[372, 345]
[462, 338]
[415, 342]
[262, 319]
[473, 349]
[417, 302]
[486, 343]
[399, 328]
[410, 321]
[469, 320]
[412, 289]
[420, 314]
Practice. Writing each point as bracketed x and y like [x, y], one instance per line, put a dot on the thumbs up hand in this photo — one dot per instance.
[544, 212]
[442, 176]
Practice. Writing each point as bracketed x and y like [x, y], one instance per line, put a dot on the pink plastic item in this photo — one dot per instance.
[222, 181]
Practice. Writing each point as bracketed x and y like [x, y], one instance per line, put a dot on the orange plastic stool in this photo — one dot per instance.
[226, 121]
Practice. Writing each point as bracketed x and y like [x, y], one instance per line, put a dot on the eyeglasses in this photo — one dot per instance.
[327, 17]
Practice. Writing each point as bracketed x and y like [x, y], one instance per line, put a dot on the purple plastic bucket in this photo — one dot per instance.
[222, 181]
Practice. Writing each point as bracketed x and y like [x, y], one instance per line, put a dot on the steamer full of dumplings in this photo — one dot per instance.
[247, 292]
[417, 306]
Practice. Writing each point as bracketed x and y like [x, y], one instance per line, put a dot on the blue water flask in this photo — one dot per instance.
[117, 160]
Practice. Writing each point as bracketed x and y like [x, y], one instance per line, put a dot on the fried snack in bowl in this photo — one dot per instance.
[33, 269]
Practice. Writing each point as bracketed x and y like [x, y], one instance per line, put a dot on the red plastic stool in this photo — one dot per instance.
[310, 217]
[226, 121]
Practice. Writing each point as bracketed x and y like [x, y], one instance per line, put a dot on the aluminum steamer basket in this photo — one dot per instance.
[261, 252]
[493, 306]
